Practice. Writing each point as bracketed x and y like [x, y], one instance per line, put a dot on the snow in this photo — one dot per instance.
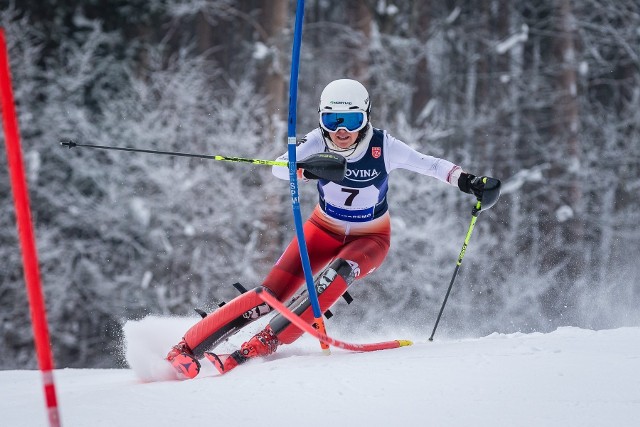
[513, 40]
[261, 51]
[568, 377]
[564, 213]
[453, 15]
[583, 68]
[515, 182]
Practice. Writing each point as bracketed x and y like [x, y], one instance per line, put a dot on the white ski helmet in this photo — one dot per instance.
[345, 95]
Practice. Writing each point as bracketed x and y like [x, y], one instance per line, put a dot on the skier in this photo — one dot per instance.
[347, 235]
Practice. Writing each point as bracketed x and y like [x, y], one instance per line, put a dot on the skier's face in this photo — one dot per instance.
[343, 138]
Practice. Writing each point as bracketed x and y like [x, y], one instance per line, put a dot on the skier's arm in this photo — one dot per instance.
[405, 157]
[312, 143]
[400, 155]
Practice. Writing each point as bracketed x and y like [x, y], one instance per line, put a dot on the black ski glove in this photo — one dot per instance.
[471, 184]
[308, 175]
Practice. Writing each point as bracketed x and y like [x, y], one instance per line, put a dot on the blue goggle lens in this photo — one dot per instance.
[351, 121]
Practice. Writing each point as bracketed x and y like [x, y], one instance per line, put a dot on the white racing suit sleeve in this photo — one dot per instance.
[312, 143]
[401, 156]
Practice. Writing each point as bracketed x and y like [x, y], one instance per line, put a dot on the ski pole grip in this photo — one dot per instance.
[491, 192]
[329, 166]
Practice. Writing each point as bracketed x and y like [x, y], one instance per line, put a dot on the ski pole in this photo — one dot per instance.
[490, 196]
[324, 165]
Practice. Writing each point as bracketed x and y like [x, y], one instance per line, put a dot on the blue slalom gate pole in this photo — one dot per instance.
[293, 179]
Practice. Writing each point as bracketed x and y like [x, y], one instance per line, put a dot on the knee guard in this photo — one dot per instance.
[330, 285]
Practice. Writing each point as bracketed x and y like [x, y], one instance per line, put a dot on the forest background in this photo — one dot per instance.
[542, 94]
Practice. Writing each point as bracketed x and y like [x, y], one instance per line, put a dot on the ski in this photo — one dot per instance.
[223, 362]
[296, 320]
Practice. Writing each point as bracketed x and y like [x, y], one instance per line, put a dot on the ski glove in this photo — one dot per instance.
[306, 175]
[471, 184]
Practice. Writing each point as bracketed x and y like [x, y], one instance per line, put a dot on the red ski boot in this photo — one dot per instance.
[225, 362]
[263, 343]
[183, 361]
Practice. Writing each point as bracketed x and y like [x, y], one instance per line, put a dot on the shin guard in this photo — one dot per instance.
[330, 285]
[224, 322]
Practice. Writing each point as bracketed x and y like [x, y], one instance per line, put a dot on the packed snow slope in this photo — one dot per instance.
[570, 377]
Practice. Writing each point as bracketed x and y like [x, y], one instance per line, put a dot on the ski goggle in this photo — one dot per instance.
[352, 121]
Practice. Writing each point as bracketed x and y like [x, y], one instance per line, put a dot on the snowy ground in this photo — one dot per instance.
[571, 377]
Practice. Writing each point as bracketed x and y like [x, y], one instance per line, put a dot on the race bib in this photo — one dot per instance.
[350, 204]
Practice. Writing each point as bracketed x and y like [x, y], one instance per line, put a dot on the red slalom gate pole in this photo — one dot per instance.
[321, 335]
[26, 235]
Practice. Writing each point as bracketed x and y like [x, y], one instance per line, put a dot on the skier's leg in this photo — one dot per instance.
[284, 279]
[364, 254]
[287, 275]
[330, 284]
[224, 322]
[213, 329]
[355, 261]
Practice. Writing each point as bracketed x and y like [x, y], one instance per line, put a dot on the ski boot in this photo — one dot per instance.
[183, 361]
[263, 343]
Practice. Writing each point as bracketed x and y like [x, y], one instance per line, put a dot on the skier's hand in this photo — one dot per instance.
[471, 184]
[306, 175]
